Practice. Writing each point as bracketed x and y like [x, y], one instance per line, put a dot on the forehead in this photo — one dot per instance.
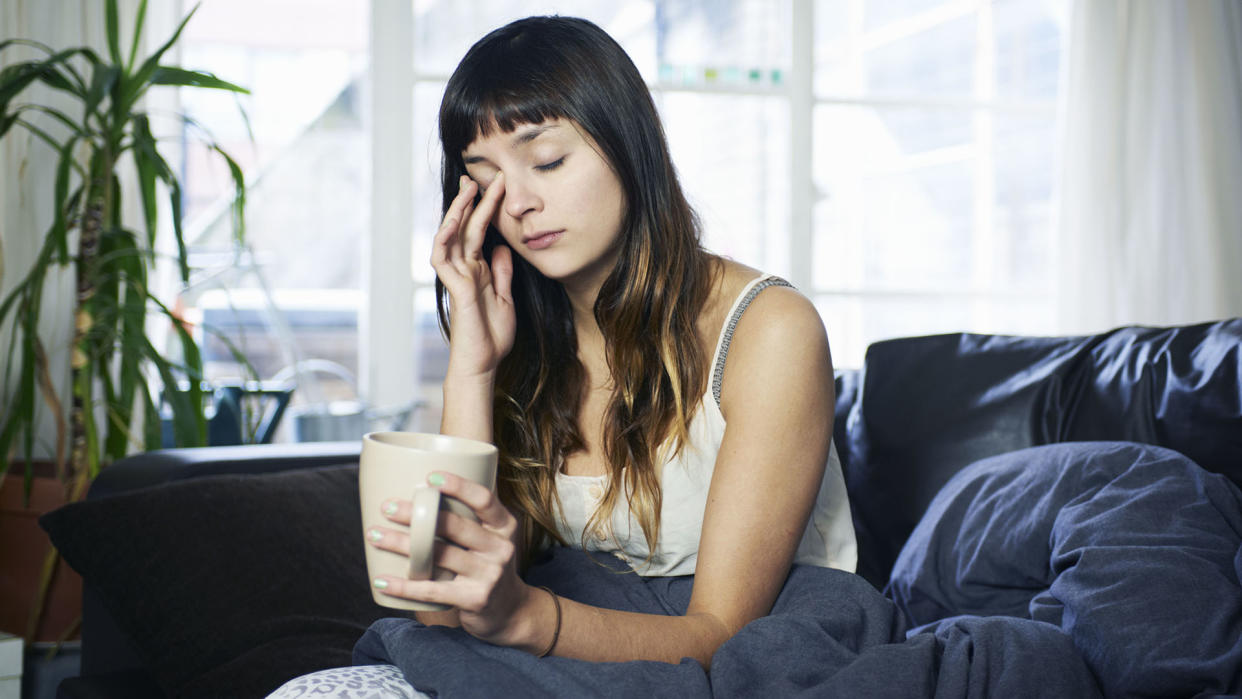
[520, 135]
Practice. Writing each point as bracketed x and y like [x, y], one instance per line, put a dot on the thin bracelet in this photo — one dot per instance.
[557, 633]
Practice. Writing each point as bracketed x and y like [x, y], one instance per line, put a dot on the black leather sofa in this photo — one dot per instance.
[919, 411]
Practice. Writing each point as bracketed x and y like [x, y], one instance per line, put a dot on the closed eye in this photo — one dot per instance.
[548, 167]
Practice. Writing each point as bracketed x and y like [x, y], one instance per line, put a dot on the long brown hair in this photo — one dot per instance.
[527, 72]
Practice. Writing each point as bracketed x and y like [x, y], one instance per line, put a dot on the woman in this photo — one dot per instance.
[636, 408]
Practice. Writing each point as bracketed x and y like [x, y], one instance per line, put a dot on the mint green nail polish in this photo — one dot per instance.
[390, 509]
[380, 584]
[375, 535]
[435, 479]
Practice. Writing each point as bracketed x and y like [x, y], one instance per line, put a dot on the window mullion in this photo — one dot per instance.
[801, 145]
[386, 323]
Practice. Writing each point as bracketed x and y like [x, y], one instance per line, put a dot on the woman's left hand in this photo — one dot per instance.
[486, 591]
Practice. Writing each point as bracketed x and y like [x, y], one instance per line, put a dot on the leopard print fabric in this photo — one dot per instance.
[358, 682]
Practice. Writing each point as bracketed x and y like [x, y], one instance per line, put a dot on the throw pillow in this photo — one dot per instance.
[219, 580]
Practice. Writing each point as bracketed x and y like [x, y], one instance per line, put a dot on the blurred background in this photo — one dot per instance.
[913, 166]
[926, 136]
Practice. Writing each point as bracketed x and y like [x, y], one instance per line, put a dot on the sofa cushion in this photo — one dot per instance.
[219, 581]
[928, 406]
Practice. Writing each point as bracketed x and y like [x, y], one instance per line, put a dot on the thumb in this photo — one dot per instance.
[502, 272]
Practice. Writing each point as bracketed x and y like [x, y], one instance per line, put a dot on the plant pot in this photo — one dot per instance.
[23, 549]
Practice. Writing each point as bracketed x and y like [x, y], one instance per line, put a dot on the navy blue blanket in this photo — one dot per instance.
[1134, 551]
[830, 633]
[1054, 571]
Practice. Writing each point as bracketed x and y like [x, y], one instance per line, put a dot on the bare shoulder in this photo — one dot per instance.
[728, 280]
[780, 321]
[779, 337]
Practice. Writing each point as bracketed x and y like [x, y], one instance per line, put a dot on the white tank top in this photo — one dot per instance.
[829, 537]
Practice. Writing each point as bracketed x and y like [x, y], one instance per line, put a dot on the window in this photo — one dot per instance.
[891, 158]
[305, 149]
[927, 146]
[933, 134]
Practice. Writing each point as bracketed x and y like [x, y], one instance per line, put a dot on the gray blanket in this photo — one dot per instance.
[829, 634]
[1068, 570]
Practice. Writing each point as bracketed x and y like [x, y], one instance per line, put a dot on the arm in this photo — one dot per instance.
[759, 503]
[482, 320]
[481, 314]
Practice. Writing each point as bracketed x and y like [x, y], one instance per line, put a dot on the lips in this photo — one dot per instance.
[542, 240]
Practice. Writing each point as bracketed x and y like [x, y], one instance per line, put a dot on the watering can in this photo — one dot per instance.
[226, 416]
[346, 420]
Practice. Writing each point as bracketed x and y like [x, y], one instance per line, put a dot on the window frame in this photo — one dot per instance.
[396, 77]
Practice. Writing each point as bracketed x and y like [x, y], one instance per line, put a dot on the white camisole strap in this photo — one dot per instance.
[748, 294]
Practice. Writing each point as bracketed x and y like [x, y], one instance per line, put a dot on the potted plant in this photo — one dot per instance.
[112, 410]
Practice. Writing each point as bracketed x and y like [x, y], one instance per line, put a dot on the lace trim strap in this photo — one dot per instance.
[726, 335]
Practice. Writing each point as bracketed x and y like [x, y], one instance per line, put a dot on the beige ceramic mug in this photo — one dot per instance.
[396, 465]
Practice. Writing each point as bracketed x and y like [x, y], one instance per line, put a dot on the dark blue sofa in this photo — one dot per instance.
[918, 412]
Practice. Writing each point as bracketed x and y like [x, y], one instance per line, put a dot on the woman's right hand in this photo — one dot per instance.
[481, 312]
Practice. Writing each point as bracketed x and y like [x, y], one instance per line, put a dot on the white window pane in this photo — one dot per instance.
[1029, 38]
[1022, 213]
[308, 175]
[854, 322]
[938, 61]
[726, 42]
[893, 213]
[445, 29]
[895, 49]
[881, 13]
[732, 157]
[897, 231]
[968, 219]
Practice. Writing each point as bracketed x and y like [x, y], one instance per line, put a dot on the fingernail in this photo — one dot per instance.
[375, 535]
[435, 479]
[390, 508]
[380, 584]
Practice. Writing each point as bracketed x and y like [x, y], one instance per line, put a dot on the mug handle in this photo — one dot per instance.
[424, 515]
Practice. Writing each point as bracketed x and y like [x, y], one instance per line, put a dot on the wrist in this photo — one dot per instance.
[457, 376]
[537, 623]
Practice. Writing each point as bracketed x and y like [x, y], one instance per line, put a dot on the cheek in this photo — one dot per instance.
[601, 197]
[508, 229]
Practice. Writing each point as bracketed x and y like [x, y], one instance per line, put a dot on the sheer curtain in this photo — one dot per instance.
[28, 173]
[1149, 225]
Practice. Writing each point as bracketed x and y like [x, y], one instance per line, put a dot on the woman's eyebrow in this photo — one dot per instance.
[524, 136]
[531, 133]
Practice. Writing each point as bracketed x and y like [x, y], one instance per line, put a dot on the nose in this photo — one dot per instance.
[519, 197]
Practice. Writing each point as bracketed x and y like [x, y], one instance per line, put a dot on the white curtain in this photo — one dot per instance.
[28, 173]
[1149, 212]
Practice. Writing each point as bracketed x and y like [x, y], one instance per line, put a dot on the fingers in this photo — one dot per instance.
[490, 536]
[476, 225]
[398, 511]
[475, 578]
[465, 535]
[470, 596]
[483, 550]
[447, 241]
[479, 498]
[502, 272]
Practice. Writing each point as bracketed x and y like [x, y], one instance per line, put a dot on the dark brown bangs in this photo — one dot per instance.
[468, 119]
[504, 83]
